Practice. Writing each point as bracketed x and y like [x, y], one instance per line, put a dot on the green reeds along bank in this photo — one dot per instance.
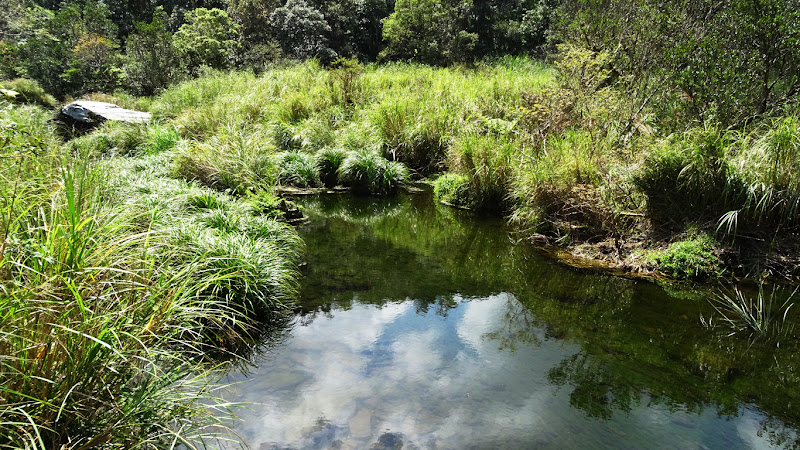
[481, 170]
[562, 150]
[116, 282]
[366, 172]
[408, 114]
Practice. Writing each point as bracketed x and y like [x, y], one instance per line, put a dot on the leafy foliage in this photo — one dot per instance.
[207, 38]
[302, 31]
[693, 258]
[152, 61]
[427, 31]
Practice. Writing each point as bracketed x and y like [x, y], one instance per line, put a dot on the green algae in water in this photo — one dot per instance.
[427, 327]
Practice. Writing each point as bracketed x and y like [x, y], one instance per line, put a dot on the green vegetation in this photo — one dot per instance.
[27, 91]
[76, 47]
[117, 283]
[761, 316]
[690, 258]
[656, 139]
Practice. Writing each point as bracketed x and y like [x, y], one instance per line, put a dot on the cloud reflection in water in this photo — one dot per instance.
[380, 376]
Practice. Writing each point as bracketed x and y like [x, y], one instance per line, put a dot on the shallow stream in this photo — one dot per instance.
[426, 327]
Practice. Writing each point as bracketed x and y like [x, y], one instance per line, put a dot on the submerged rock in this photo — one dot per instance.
[291, 213]
[389, 441]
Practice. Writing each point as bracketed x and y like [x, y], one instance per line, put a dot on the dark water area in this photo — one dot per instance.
[422, 326]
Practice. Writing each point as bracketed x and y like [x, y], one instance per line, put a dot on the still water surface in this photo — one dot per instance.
[425, 327]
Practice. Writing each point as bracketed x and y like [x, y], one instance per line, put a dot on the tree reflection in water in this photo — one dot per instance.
[639, 344]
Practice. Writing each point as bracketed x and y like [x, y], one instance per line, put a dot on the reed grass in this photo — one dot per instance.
[366, 172]
[764, 315]
[29, 92]
[117, 282]
[560, 149]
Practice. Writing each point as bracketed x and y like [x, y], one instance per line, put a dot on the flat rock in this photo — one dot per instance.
[89, 113]
[8, 94]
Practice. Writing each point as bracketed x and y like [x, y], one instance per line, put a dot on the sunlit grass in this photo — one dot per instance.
[116, 283]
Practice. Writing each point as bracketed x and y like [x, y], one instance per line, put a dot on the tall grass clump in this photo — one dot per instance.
[113, 290]
[366, 172]
[689, 178]
[454, 189]
[110, 139]
[344, 81]
[412, 134]
[764, 315]
[483, 164]
[88, 319]
[160, 138]
[236, 160]
[743, 180]
[28, 91]
[329, 160]
[284, 136]
[196, 93]
[767, 166]
[298, 169]
[572, 185]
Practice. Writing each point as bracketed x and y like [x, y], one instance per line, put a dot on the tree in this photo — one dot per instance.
[510, 27]
[722, 61]
[208, 38]
[368, 37]
[70, 51]
[428, 31]
[257, 46]
[253, 18]
[302, 31]
[743, 60]
[152, 61]
[95, 65]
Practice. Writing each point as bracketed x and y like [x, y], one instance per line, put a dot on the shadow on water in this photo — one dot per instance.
[622, 350]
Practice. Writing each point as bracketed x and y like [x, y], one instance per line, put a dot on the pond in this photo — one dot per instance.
[422, 326]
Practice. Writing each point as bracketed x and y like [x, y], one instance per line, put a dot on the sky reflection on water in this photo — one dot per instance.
[381, 376]
[426, 327]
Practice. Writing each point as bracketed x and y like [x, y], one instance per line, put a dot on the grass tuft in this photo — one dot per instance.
[366, 172]
[763, 316]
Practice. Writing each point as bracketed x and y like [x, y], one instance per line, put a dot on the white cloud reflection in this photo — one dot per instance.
[434, 382]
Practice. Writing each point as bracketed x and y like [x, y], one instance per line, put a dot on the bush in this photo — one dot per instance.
[208, 38]
[29, 91]
[152, 61]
